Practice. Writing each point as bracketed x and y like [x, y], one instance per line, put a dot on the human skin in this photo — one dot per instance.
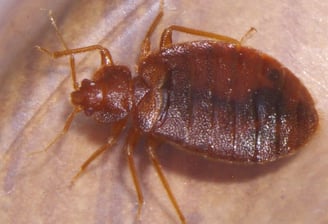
[35, 103]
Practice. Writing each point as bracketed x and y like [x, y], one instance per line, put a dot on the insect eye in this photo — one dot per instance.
[87, 82]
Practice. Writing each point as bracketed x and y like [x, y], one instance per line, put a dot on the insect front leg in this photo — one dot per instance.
[106, 58]
[117, 129]
[67, 125]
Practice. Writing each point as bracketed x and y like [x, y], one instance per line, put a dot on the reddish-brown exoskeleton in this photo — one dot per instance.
[215, 97]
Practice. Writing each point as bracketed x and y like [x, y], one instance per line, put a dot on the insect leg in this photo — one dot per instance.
[132, 140]
[248, 35]
[117, 129]
[106, 57]
[166, 38]
[67, 125]
[145, 46]
[166, 185]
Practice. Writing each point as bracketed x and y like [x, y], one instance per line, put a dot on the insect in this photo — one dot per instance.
[216, 98]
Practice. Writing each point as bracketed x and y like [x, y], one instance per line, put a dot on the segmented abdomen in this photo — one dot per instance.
[231, 103]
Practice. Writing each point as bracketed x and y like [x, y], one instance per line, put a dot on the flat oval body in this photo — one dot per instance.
[223, 101]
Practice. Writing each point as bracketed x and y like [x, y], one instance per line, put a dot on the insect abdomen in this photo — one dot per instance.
[231, 103]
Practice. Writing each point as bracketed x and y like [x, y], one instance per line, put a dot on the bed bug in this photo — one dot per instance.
[216, 98]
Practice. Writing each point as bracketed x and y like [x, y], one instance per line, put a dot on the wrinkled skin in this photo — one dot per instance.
[36, 103]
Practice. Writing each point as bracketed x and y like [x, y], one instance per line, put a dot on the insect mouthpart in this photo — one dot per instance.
[89, 97]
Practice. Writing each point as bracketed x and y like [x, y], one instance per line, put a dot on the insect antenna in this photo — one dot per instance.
[61, 39]
[76, 110]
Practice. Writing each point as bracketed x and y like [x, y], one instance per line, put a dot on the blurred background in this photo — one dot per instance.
[34, 98]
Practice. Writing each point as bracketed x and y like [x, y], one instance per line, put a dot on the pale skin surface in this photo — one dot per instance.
[35, 103]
